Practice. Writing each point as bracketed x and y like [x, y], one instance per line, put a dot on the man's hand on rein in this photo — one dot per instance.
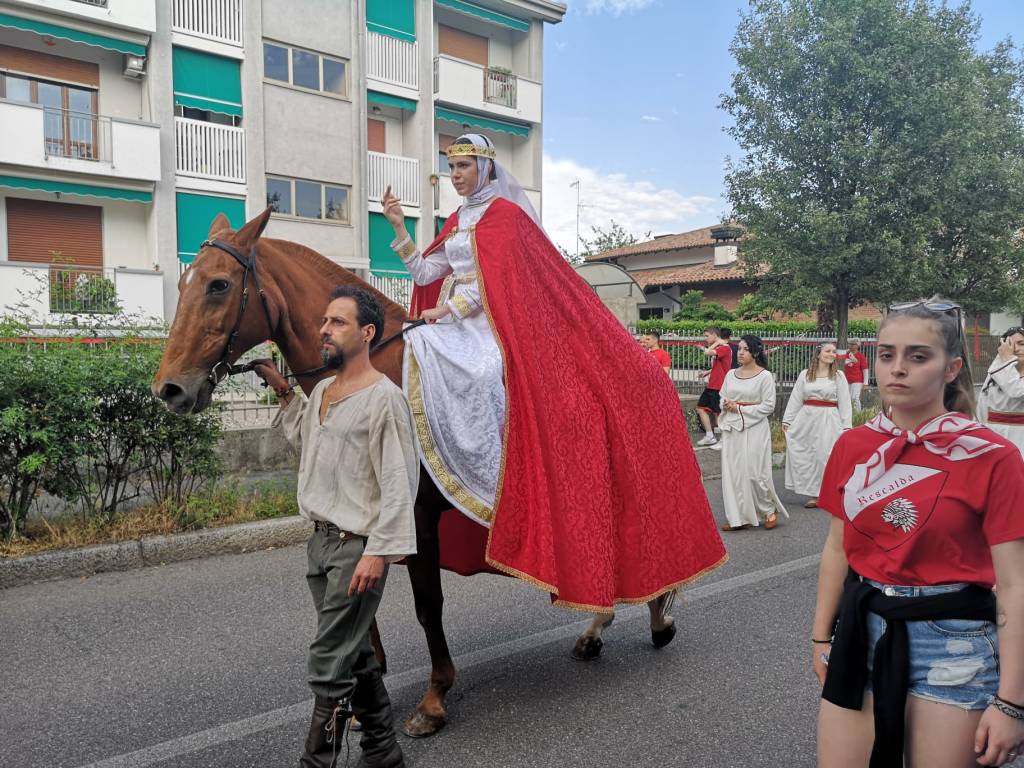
[266, 369]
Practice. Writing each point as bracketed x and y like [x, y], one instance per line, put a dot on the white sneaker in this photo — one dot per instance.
[708, 439]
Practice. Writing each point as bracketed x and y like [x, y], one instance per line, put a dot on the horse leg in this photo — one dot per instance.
[430, 714]
[663, 627]
[588, 645]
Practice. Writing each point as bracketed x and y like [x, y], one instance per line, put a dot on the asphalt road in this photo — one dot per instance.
[202, 664]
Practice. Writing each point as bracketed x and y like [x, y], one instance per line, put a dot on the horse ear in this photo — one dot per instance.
[251, 232]
[219, 224]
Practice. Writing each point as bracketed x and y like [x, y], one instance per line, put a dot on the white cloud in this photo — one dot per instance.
[639, 206]
[650, 118]
[614, 7]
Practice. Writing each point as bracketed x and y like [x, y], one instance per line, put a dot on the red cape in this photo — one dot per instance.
[600, 499]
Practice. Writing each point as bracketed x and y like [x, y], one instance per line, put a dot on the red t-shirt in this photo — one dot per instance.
[854, 365]
[929, 520]
[720, 366]
[662, 357]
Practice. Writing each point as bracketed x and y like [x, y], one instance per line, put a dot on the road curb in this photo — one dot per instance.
[153, 550]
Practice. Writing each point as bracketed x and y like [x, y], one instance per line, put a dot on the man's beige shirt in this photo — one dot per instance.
[359, 469]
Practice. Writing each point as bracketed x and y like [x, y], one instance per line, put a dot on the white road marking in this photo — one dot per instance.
[221, 734]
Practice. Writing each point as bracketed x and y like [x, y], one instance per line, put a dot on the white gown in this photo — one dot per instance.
[747, 488]
[454, 376]
[813, 429]
[1003, 391]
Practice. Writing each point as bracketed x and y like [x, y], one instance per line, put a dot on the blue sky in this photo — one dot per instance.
[631, 92]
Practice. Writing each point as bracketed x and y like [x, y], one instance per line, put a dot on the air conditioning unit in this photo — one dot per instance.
[134, 66]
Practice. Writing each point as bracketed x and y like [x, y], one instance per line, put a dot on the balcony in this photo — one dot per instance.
[47, 292]
[73, 142]
[401, 173]
[392, 61]
[139, 16]
[488, 91]
[209, 151]
[217, 20]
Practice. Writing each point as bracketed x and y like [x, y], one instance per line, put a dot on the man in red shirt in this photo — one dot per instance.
[651, 341]
[855, 368]
[708, 406]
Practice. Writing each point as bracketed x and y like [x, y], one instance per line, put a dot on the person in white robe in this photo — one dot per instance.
[748, 401]
[1001, 402]
[819, 410]
[454, 374]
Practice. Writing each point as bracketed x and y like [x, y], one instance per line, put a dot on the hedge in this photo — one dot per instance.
[857, 328]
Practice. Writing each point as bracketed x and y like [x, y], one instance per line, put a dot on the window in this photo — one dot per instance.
[308, 199]
[275, 62]
[70, 124]
[305, 69]
[206, 116]
[279, 195]
[442, 152]
[651, 313]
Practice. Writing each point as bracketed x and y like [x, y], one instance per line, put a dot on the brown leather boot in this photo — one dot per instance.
[372, 707]
[326, 733]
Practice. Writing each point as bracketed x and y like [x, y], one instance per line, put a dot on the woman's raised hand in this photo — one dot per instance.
[393, 210]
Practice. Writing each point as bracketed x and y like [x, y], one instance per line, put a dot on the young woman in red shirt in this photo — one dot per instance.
[918, 659]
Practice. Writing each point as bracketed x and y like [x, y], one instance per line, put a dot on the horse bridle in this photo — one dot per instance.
[222, 368]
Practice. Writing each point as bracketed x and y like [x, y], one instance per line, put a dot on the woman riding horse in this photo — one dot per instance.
[538, 415]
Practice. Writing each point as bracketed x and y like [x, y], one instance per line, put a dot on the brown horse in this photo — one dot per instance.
[215, 324]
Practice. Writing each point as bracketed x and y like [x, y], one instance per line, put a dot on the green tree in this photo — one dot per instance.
[883, 156]
[693, 307]
[602, 240]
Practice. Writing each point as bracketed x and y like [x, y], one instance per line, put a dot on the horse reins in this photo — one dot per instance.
[249, 265]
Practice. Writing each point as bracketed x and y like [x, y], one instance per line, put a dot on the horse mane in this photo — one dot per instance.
[330, 270]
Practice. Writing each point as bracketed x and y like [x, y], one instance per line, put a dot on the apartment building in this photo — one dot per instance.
[127, 125]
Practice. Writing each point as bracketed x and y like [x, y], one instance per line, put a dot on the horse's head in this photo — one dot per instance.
[209, 310]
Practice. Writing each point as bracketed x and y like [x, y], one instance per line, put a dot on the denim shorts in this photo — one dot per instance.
[952, 661]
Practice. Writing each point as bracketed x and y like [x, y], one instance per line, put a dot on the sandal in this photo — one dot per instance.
[771, 521]
[728, 527]
[811, 504]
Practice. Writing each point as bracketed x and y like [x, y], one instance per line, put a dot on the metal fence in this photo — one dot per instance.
[788, 354]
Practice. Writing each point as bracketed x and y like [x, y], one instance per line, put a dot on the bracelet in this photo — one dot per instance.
[283, 391]
[1007, 708]
[821, 642]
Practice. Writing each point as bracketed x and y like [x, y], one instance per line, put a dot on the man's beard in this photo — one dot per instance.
[333, 357]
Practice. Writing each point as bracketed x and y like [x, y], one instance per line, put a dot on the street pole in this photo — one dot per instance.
[577, 185]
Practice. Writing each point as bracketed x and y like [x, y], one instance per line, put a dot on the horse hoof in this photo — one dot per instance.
[664, 636]
[587, 648]
[420, 725]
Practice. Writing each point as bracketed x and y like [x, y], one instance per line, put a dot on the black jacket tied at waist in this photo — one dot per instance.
[847, 668]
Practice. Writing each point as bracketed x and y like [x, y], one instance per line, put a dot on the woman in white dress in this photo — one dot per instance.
[1001, 404]
[818, 412]
[748, 400]
[453, 367]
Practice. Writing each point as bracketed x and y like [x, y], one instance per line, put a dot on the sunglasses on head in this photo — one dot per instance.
[933, 306]
[1013, 332]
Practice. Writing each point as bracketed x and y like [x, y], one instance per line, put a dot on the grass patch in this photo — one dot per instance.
[216, 507]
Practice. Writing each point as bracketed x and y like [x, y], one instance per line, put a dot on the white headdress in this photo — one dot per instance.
[503, 185]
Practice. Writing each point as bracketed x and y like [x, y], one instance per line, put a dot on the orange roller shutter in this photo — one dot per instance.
[375, 135]
[462, 45]
[37, 228]
[49, 67]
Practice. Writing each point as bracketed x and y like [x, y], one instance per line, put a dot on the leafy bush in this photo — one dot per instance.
[693, 307]
[858, 328]
[77, 419]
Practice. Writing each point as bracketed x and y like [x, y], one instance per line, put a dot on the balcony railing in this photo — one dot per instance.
[209, 150]
[392, 60]
[82, 290]
[97, 3]
[219, 20]
[402, 174]
[79, 135]
[397, 286]
[500, 88]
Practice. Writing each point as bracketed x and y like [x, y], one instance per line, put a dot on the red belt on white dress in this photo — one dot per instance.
[821, 403]
[1006, 417]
